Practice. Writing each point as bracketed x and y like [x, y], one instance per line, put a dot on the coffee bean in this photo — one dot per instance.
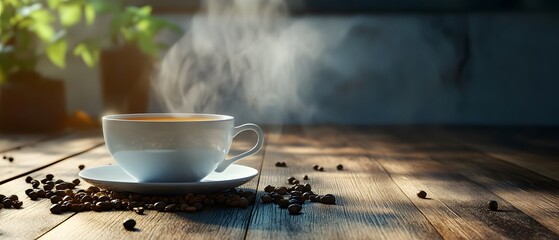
[67, 198]
[59, 181]
[55, 208]
[306, 177]
[300, 188]
[139, 210]
[266, 198]
[1, 206]
[60, 186]
[49, 176]
[77, 208]
[129, 224]
[86, 198]
[87, 206]
[308, 187]
[321, 169]
[159, 206]
[328, 199]
[283, 203]
[292, 201]
[81, 166]
[76, 181]
[41, 193]
[55, 199]
[269, 188]
[11, 159]
[422, 194]
[2, 196]
[60, 193]
[295, 181]
[190, 209]
[170, 208]
[314, 198]
[294, 208]
[493, 205]
[315, 167]
[281, 190]
[27, 191]
[296, 193]
[283, 164]
[14, 197]
[278, 164]
[243, 202]
[48, 187]
[28, 179]
[7, 203]
[298, 199]
[17, 204]
[35, 183]
[33, 195]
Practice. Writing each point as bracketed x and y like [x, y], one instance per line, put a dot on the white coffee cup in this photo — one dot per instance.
[172, 147]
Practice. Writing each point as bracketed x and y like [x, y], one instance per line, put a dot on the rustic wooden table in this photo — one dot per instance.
[461, 169]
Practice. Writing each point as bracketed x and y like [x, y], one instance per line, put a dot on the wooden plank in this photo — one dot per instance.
[18, 141]
[43, 154]
[369, 204]
[511, 148]
[219, 223]
[534, 194]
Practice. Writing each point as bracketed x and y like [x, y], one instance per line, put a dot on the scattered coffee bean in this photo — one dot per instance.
[283, 203]
[422, 194]
[49, 176]
[55, 199]
[76, 181]
[269, 188]
[266, 198]
[35, 183]
[328, 199]
[306, 177]
[129, 224]
[7, 203]
[28, 179]
[14, 197]
[159, 206]
[27, 191]
[55, 208]
[340, 167]
[170, 208]
[294, 208]
[315, 167]
[17, 204]
[41, 193]
[81, 166]
[139, 210]
[493, 205]
[33, 195]
[11, 159]
[295, 181]
[321, 169]
[281, 190]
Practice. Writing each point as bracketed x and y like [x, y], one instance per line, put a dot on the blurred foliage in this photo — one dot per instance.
[30, 29]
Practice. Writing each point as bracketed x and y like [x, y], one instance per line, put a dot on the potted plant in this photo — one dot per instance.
[30, 30]
[126, 65]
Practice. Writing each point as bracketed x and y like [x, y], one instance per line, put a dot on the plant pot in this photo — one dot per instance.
[125, 73]
[32, 106]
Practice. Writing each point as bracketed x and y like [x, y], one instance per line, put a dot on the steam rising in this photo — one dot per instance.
[244, 58]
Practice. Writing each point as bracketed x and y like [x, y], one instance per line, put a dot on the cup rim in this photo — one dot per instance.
[211, 117]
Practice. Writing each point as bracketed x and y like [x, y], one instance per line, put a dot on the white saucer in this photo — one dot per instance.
[112, 177]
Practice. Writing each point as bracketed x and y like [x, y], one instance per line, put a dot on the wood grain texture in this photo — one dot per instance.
[369, 205]
[538, 155]
[211, 223]
[532, 193]
[18, 141]
[33, 157]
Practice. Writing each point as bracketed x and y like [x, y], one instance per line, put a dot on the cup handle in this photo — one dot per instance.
[259, 134]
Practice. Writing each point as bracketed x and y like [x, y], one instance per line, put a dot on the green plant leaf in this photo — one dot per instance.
[56, 52]
[88, 52]
[70, 14]
[43, 30]
[54, 4]
[89, 11]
